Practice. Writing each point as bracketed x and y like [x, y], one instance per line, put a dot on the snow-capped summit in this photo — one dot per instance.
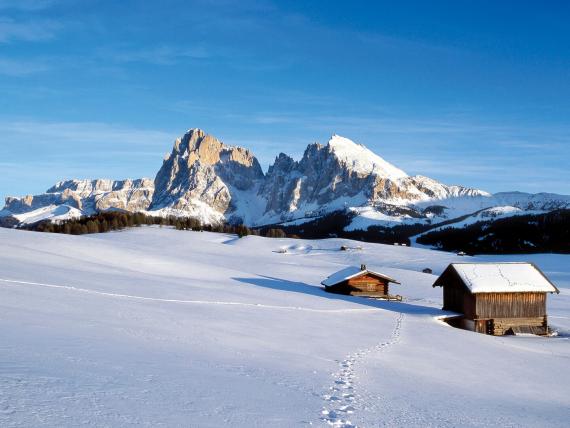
[361, 160]
[204, 178]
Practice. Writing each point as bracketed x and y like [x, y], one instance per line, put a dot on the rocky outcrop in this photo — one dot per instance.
[89, 196]
[200, 171]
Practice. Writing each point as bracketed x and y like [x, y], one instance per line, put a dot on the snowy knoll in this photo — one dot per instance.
[157, 327]
[209, 180]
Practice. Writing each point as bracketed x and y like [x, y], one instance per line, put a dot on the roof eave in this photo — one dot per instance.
[387, 278]
[506, 292]
[362, 272]
[556, 290]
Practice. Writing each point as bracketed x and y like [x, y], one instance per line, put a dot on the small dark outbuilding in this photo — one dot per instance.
[497, 298]
[361, 281]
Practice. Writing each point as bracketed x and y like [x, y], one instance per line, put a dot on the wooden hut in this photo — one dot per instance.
[361, 281]
[497, 298]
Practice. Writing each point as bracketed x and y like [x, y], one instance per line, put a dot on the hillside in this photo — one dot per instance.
[530, 233]
[153, 326]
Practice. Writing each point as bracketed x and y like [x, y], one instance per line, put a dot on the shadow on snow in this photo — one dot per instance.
[303, 288]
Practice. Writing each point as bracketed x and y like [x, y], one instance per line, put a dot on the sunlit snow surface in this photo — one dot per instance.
[52, 212]
[157, 327]
[503, 277]
[361, 159]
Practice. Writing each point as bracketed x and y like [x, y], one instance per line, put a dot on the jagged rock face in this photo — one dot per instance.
[419, 188]
[18, 205]
[202, 169]
[89, 196]
[319, 178]
[204, 178]
[280, 183]
[344, 171]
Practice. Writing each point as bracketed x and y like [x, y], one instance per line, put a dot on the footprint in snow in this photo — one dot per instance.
[348, 403]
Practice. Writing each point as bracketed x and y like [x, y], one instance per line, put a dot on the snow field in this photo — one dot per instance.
[157, 327]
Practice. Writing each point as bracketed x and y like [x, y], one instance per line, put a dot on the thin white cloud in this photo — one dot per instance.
[81, 133]
[18, 68]
[159, 55]
[29, 31]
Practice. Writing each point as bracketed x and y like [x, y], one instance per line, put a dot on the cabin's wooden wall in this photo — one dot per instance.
[537, 325]
[369, 283]
[510, 305]
[456, 297]
[494, 313]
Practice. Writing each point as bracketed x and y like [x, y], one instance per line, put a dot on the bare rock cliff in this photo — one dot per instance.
[202, 170]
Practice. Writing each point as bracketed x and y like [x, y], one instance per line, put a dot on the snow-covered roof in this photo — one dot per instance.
[353, 272]
[503, 277]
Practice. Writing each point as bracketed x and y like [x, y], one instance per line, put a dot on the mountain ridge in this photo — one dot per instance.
[206, 179]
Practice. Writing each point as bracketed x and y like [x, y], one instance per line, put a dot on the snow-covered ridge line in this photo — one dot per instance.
[361, 159]
[214, 182]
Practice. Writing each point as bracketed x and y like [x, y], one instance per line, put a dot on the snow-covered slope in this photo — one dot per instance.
[53, 213]
[466, 208]
[157, 327]
[361, 160]
[485, 215]
[203, 177]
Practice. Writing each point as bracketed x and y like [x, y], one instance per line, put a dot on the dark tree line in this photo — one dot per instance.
[100, 223]
[387, 235]
[331, 224]
[520, 234]
[334, 224]
[548, 232]
[115, 220]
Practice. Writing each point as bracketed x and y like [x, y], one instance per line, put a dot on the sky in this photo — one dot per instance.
[467, 92]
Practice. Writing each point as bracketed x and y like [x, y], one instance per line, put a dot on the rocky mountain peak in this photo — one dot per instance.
[197, 146]
[283, 163]
[204, 178]
[360, 159]
[202, 171]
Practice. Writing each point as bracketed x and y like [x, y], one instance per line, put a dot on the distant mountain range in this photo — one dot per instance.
[213, 182]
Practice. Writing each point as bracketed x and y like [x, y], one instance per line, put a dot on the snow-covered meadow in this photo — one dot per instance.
[157, 327]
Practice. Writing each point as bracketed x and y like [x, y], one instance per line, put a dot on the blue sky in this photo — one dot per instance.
[468, 92]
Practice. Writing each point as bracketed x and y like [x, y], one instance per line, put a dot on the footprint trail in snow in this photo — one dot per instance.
[343, 401]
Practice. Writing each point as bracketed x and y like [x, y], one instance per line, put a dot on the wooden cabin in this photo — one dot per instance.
[361, 281]
[497, 298]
